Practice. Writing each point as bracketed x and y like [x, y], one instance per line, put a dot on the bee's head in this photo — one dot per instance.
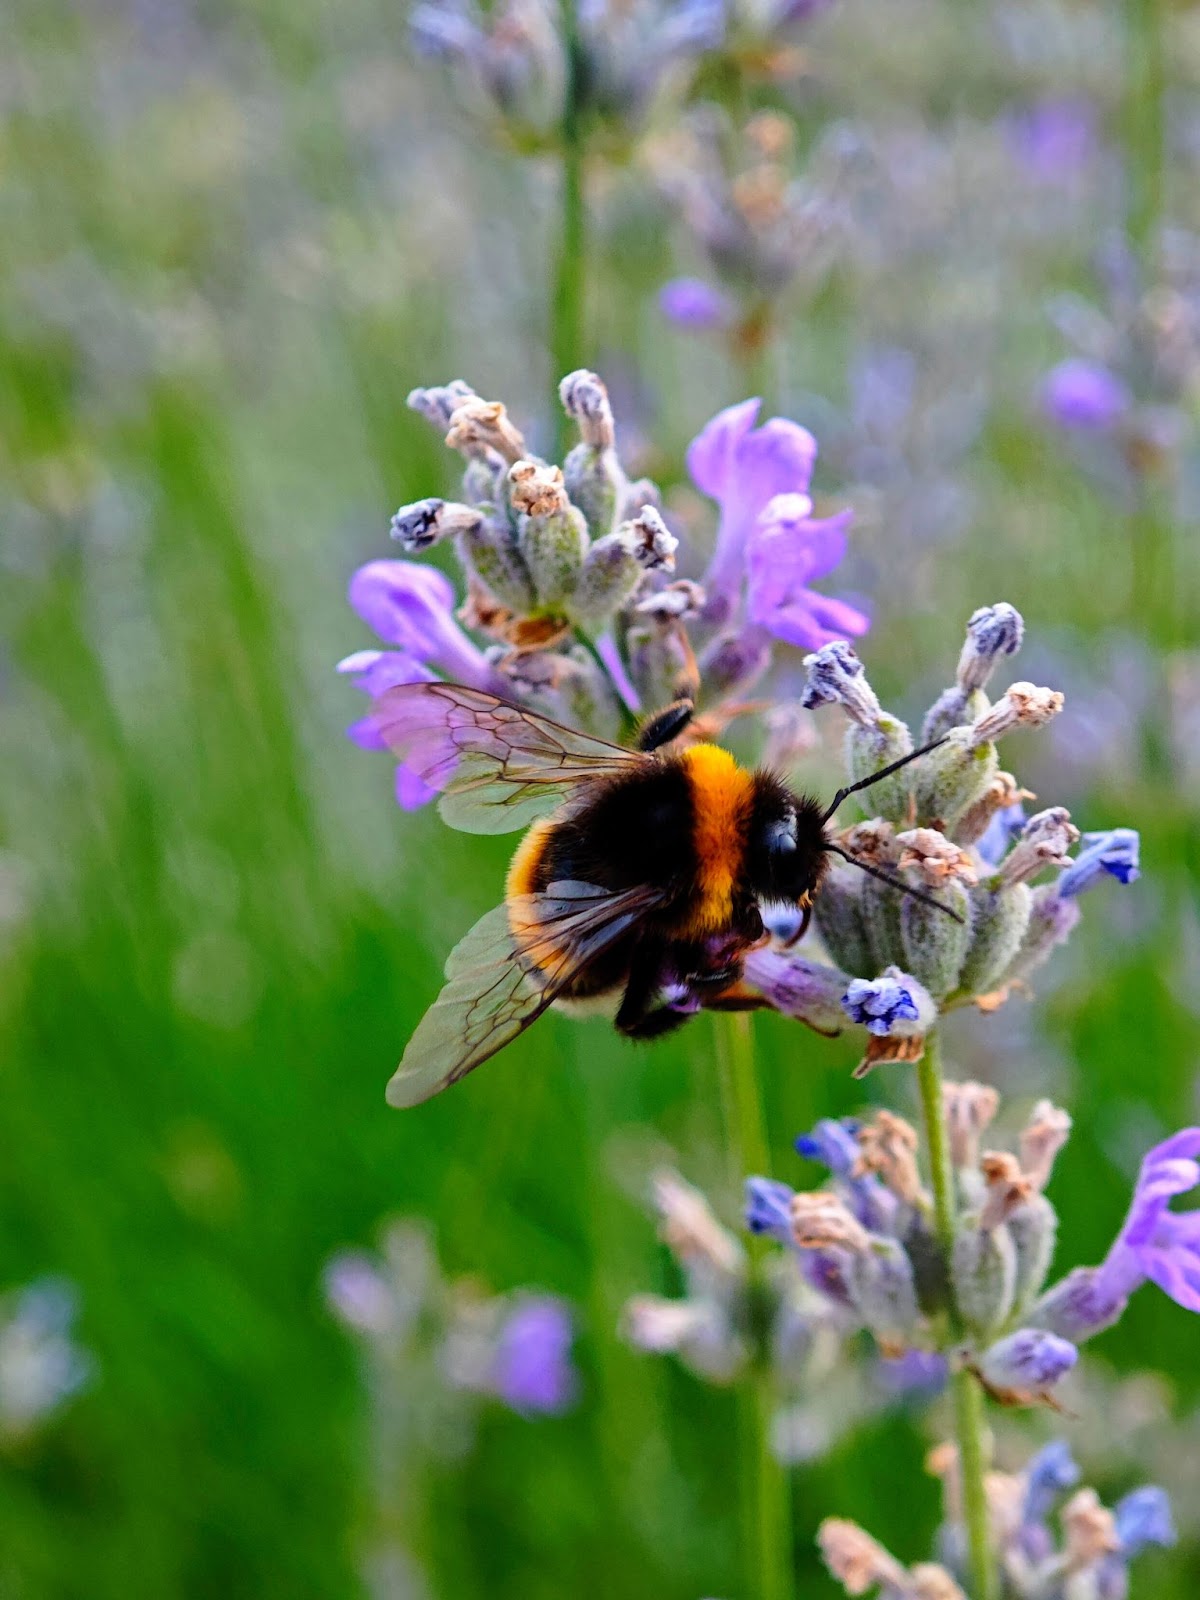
[786, 856]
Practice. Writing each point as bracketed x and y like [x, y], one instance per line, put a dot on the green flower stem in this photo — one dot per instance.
[567, 308]
[969, 1420]
[765, 1491]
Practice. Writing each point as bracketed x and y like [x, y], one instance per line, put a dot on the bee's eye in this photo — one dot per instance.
[781, 837]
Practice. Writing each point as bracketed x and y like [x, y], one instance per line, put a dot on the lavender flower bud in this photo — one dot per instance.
[585, 400]
[490, 554]
[609, 579]
[734, 662]
[1079, 1306]
[1003, 793]
[595, 483]
[874, 738]
[1048, 1476]
[1113, 854]
[1143, 1518]
[999, 920]
[887, 1146]
[1044, 842]
[481, 427]
[968, 1109]
[697, 1331]
[1052, 920]
[1023, 705]
[636, 496]
[857, 1561]
[690, 1230]
[875, 844]
[953, 778]
[878, 1274]
[983, 1270]
[992, 632]
[1090, 1530]
[838, 914]
[551, 534]
[425, 522]
[836, 677]
[1033, 1228]
[933, 943]
[1042, 1137]
[1027, 1363]
[438, 405]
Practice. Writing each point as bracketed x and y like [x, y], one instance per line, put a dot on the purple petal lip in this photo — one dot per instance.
[1084, 395]
[1156, 1243]
[533, 1371]
[692, 303]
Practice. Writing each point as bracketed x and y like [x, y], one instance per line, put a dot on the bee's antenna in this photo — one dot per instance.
[884, 772]
[886, 877]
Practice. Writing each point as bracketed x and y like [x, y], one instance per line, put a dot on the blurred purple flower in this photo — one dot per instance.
[1143, 1518]
[768, 1208]
[915, 1375]
[743, 468]
[358, 1293]
[532, 1369]
[832, 1143]
[1084, 395]
[788, 548]
[410, 606]
[1048, 1476]
[1155, 1243]
[1055, 138]
[692, 303]
[1113, 853]
[994, 843]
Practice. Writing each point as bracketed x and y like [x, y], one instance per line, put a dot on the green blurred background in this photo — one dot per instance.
[234, 235]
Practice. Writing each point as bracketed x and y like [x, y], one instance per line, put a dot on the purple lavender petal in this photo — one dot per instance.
[1084, 395]
[532, 1370]
[692, 303]
[412, 606]
[412, 792]
[606, 649]
[1055, 138]
[374, 671]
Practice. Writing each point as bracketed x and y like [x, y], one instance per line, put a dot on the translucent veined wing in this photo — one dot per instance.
[499, 767]
[493, 993]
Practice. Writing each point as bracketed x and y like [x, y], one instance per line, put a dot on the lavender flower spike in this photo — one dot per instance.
[893, 1003]
[1114, 853]
[1155, 1243]
[742, 468]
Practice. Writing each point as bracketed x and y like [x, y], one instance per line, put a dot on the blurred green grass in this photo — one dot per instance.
[217, 931]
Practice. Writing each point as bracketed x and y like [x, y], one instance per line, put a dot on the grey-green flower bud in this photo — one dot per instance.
[490, 554]
[999, 919]
[950, 779]
[1033, 1229]
[884, 1290]
[438, 404]
[1044, 841]
[983, 1267]
[953, 709]
[612, 571]
[552, 535]
[870, 748]
[595, 483]
[875, 844]
[838, 914]
[1052, 920]
[992, 632]
[935, 945]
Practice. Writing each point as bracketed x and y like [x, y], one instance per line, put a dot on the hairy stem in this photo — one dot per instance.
[765, 1491]
[969, 1421]
[567, 307]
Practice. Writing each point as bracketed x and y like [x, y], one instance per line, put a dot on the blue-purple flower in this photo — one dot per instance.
[1084, 395]
[693, 303]
[41, 1366]
[1113, 854]
[1155, 1244]
[410, 607]
[532, 1370]
[881, 1005]
[1028, 1362]
[768, 1208]
[767, 537]
[1054, 138]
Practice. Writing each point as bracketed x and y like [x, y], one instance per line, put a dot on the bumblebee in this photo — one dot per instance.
[638, 888]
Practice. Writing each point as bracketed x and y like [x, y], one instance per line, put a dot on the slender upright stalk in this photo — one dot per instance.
[969, 1420]
[567, 306]
[765, 1492]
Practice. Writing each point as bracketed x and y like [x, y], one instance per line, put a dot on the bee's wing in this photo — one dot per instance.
[498, 766]
[492, 994]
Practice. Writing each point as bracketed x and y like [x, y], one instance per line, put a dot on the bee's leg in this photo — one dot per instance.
[737, 997]
[637, 1016]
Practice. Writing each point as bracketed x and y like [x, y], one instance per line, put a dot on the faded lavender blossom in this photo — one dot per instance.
[1126, 390]
[512, 59]
[692, 303]
[571, 601]
[435, 1343]
[767, 229]
[41, 1366]
[1090, 1557]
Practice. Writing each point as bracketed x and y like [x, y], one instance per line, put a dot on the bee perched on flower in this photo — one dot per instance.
[642, 882]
